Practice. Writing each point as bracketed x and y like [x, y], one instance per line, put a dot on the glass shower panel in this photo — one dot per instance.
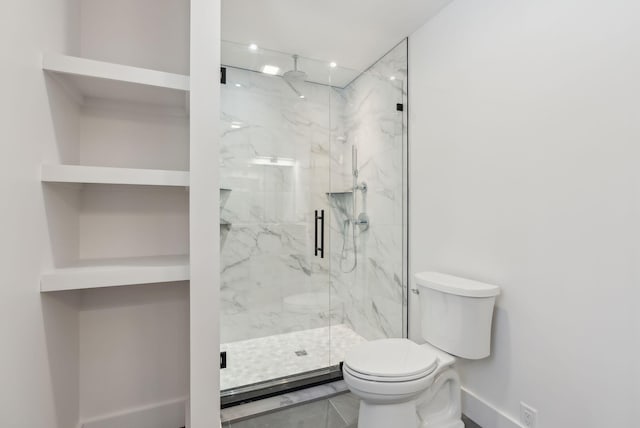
[368, 202]
[274, 174]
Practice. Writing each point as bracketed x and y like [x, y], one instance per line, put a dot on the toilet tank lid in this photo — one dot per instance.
[455, 285]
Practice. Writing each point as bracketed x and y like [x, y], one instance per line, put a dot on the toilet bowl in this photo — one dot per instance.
[394, 377]
[388, 375]
[405, 385]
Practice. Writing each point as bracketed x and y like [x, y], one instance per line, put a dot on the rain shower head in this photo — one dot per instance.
[295, 76]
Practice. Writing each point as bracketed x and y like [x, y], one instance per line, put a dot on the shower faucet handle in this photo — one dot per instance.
[362, 221]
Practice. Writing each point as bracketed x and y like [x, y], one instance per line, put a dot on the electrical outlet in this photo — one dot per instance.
[528, 415]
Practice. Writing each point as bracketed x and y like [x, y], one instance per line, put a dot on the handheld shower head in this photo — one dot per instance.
[354, 161]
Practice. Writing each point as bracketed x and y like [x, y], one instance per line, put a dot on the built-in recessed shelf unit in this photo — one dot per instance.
[114, 175]
[116, 272]
[109, 175]
[87, 78]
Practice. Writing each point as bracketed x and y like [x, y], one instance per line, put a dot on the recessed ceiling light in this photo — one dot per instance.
[238, 85]
[270, 69]
[236, 125]
[253, 47]
[333, 65]
[392, 78]
[301, 96]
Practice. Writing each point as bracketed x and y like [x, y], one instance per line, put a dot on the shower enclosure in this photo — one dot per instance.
[313, 208]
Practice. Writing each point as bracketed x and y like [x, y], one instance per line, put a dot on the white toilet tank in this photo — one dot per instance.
[456, 313]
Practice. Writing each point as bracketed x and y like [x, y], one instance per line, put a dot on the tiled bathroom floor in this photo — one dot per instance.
[335, 412]
[340, 411]
[272, 357]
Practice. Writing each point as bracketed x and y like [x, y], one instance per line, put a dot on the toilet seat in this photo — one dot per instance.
[390, 360]
[384, 379]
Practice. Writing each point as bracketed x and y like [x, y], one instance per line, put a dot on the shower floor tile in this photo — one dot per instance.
[265, 358]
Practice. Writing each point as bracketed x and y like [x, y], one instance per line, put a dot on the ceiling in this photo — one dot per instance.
[240, 56]
[353, 33]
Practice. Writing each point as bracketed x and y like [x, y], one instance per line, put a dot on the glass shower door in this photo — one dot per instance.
[313, 169]
[275, 307]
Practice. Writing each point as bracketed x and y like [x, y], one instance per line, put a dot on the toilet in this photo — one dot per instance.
[405, 385]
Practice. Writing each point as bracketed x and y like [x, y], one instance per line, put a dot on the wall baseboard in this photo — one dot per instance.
[172, 414]
[484, 414]
[167, 414]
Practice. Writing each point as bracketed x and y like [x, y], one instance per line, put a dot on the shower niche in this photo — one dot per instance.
[301, 137]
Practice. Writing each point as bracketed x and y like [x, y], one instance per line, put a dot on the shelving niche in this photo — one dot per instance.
[117, 272]
[91, 79]
[115, 186]
[108, 175]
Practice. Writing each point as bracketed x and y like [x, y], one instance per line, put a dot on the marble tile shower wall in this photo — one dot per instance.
[371, 294]
[267, 251]
[267, 248]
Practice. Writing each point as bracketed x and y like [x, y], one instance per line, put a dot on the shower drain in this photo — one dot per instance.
[301, 353]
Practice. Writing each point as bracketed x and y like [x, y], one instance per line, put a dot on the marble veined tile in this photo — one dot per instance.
[267, 251]
[341, 411]
[372, 291]
[318, 414]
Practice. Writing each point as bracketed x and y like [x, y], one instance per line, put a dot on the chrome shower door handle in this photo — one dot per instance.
[319, 249]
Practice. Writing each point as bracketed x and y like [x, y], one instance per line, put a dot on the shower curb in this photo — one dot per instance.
[281, 402]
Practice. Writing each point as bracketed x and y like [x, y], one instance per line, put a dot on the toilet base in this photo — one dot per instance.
[388, 415]
[397, 415]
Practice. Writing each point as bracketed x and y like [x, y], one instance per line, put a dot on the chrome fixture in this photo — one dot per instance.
[362, 187]
[295, 77]
[354, 171]
[361, 220]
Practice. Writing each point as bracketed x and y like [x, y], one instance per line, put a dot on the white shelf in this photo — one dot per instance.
[116, 272]
[108, 175]
[88, 78]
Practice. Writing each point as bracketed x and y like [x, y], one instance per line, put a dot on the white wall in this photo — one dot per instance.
[524, 139]
[38, 355]
[113, 31]
[134, 347]
[204, 216]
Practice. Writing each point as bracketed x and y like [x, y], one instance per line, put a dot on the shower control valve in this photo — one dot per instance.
[362, 187]
[362, 221]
